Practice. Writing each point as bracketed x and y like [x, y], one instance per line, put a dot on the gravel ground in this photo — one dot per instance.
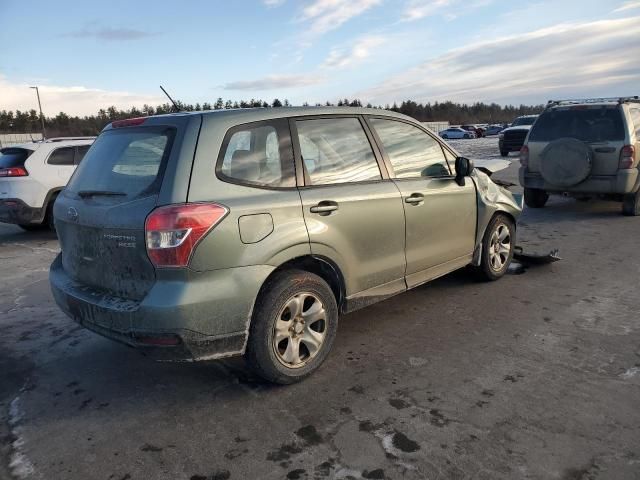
[536, 376]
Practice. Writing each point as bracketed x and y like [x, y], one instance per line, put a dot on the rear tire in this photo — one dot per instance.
[535, 198]
[631, 205]
[293, 326]
[498, 244]
[48, 219]
[504, 153]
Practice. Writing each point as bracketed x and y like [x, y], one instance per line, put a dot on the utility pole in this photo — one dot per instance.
[44, 133]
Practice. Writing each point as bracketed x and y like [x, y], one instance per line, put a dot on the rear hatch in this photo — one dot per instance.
[599, 126]
[100, 216]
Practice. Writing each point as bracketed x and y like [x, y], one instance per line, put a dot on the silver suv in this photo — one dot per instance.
[584, 148]
[202, 235]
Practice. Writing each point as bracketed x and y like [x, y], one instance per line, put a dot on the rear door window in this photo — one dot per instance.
[13, 157]
[336, 150]
[590, 124]
[129, 161]
[62, 156]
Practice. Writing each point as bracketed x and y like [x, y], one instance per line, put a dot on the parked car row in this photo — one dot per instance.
[471, 131]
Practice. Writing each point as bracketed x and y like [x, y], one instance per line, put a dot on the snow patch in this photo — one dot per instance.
[630, 373]
[19, 464]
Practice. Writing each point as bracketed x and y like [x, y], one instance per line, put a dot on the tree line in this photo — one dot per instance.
[65, 125]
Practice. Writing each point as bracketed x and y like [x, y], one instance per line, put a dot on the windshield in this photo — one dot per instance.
[524, 121]
[589, 124]
[128, 161]
[13, 157]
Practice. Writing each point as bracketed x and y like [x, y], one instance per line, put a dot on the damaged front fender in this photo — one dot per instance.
[492, 199]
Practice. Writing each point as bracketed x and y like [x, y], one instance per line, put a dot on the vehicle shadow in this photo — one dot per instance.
[560, 209]
[10, 233]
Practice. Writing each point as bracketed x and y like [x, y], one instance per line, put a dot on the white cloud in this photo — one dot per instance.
[598, 58]
[628, 6]
[272, 82]
[449, 9]
[273, 3]
[326, 15]
[73, 100]
[362, 49]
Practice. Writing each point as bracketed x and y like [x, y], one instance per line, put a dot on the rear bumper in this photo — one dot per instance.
[14, 210]
[208, 316]
[625, 181]
[510, 145]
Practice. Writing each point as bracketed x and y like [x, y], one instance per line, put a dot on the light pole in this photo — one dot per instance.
[44, 133]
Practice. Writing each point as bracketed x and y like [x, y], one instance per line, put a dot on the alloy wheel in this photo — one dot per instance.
[300, 330]
[499, 247]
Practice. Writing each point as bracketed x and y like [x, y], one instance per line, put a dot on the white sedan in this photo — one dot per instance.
[455, 132]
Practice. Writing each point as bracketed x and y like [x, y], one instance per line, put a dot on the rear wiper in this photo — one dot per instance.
[106, 193]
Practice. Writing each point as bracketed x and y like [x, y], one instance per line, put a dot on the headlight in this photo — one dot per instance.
[501, 136]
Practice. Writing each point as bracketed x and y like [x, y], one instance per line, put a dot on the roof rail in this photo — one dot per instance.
[63, 139]
[575, 101]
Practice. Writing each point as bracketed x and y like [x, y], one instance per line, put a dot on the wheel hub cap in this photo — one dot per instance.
[500, 247]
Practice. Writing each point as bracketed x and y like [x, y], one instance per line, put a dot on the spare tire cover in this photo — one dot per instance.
[566, 162]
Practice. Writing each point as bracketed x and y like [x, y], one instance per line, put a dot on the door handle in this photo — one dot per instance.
[324, 208]
[415, 199]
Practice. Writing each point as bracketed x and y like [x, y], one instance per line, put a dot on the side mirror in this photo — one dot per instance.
[464, 167]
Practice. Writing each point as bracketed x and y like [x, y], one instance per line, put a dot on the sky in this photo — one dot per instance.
[87, 55]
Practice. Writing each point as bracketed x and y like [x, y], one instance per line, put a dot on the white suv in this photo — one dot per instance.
[32, 175]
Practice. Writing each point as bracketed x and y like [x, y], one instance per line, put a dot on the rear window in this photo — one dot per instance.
[13, 157]
[589, 124]
[129, 161]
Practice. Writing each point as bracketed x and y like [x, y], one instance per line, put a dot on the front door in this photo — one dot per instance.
[440, 215]
[354, 214]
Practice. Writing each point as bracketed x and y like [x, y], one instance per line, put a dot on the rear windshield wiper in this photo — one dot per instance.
[106, 193]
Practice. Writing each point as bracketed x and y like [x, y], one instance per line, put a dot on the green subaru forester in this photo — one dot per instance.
[196, 236]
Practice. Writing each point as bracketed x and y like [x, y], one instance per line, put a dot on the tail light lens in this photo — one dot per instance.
[13, 172]
[627, 156]
[173, 232]
[524, 156]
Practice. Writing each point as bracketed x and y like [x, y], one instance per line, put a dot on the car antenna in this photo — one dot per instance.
[175, 105]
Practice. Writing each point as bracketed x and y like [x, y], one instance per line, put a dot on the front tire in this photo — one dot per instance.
[504, 153]
[498, 244]
[535, 198]
[446, 137]
[631, 205]
[293, 327]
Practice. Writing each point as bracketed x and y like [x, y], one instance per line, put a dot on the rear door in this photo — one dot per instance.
[440, 215]
[100, 216]
[353, 212]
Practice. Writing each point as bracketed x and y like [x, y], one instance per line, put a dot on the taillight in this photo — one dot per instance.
[13, 172]
[129, 122]
[173, 232]
[627, 156]
[524, 156]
